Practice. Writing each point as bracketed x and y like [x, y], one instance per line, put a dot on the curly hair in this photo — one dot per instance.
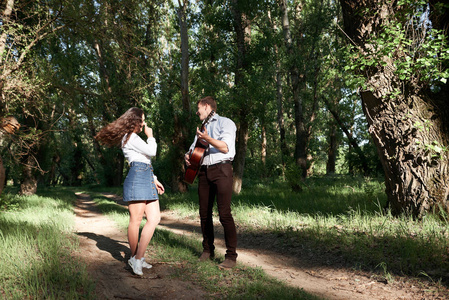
[113, 133]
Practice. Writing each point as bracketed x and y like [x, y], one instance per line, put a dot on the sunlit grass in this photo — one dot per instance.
[342, 217]
[337, 219]
[36, 242]
[182, 252]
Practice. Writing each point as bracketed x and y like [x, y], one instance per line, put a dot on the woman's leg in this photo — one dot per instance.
[153, 213]
[136, 210]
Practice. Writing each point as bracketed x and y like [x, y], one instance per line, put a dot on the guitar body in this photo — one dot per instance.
[196, 156]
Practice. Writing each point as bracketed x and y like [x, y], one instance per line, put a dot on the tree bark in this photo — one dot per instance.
[2, 176]
[409, 130]
[242, 31]
[263, 145]
[296, 81]
[332, 150]
[180, 132]
[6, 14]
[28, 186]
[279, 100]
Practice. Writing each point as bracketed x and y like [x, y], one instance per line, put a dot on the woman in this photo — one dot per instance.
[141, 187]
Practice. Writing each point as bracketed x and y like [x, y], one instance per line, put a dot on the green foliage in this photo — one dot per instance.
[408, 46]
[104, 59]
[354, 164]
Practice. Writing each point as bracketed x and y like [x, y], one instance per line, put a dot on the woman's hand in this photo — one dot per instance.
[148, 130]
[159, 186]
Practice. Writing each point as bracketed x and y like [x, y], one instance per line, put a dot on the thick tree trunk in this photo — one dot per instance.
[28, 185]
[416, 177]
[409, 130]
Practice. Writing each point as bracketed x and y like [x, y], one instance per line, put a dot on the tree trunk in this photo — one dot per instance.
[280, 118]
[180, 140]
[416, 180]
[6, 14]
[177, 152]
[239, 161]
[184, 56]
[410, 129]
[2, 176]
[28, 185]
[332, 149]
[279, 100]
[263, 146]
[301, 135]
[242, 32]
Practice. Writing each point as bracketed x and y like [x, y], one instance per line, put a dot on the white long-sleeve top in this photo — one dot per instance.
[137, 149]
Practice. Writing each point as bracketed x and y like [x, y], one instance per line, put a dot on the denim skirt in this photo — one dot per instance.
[139, 183]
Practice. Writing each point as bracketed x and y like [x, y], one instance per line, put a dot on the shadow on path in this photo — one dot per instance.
[104, 243]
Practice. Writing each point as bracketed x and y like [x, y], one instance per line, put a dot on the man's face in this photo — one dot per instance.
[203, 111]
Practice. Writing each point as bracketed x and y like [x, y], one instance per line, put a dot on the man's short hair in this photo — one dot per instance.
[208, 100]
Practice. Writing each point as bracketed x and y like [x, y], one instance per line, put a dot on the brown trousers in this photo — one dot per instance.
[216, 182]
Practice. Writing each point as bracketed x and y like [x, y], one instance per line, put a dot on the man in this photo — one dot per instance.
[215, 179]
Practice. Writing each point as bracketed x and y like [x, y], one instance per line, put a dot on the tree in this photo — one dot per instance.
[183, 118]
[8, 126]
[403, 59]
[24, 25]
[304, 27]
[242, 29]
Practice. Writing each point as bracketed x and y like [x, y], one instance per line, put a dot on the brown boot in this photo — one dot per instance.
[206, 256]
[227, 264]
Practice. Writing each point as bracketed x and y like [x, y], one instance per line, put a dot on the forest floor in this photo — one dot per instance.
[104, 247]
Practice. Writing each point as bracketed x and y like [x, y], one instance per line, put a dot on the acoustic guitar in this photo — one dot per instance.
[197, 154]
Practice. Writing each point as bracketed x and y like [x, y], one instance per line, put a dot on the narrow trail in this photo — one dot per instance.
[104, 247]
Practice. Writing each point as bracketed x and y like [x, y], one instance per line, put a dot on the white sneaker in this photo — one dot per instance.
[145, 264]
[136, 265]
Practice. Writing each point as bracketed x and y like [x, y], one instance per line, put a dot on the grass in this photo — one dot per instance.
[36, 243]
[240, 283]
[339, 218]
[337, 221]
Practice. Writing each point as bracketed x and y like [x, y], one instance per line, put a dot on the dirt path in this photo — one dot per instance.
[104, 247]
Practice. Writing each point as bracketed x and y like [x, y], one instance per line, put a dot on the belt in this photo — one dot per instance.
[205, 167]
[138, 163]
